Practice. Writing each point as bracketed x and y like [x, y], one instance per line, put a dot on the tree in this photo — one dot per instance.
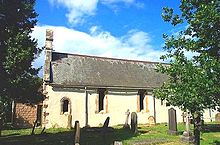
[19, 80]
[193, 82]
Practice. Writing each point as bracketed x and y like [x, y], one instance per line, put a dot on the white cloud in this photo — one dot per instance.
[113, 3]
[118, 1]
[79, 10]
[134, 45]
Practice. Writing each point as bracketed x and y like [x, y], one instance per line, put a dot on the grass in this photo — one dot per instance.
[147, 135]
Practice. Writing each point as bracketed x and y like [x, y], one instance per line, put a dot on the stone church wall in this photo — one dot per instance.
[115, 107]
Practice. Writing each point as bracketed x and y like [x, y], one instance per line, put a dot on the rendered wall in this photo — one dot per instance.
[115, 108]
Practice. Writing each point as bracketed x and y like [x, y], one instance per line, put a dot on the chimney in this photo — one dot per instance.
[48, 55]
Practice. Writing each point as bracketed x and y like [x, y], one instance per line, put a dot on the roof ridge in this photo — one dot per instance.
[110, 58]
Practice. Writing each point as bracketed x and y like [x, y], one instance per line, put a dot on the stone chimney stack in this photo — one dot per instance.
[48, 54]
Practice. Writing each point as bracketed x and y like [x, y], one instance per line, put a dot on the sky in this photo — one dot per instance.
[127, 29]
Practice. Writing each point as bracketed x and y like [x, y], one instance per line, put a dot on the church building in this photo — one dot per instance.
[90, 89]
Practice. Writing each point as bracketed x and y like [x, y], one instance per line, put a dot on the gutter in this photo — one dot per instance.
[107, 87]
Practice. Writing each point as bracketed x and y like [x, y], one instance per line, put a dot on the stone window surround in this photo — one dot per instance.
[104, 108]
[61, 106]
[142, 106]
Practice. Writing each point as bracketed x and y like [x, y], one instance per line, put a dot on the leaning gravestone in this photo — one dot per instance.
[106, 123]
[217, 117]
[172, 121]
[134, 122]
[126, 125]
[104, 130]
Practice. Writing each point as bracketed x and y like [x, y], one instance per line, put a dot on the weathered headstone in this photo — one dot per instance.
[151, 120]
[172, 121]
[187, 135]
[134, 122]
[69, 121]
[77, 132]
[126, 125]
[217, 117]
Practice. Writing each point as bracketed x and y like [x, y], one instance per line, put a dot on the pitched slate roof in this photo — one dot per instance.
[81, 70]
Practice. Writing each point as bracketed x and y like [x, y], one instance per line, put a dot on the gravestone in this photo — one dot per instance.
[106, 123]
[172, 121]
[69, 121]
[77, 132]
[217, 117]
[184, 117]
[104, 130]
[187, 135]
[134, 122]
[151, 120]
[126, 125]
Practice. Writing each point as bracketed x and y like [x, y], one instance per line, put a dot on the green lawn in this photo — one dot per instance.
[147, 135]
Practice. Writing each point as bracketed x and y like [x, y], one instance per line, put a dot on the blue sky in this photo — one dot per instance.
[128, 29]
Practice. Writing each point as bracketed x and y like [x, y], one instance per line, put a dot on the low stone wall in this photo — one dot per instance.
[25, 115]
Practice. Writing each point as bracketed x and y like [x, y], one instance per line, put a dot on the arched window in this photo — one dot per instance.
[101, 101]
[142, 101]
[65, 105]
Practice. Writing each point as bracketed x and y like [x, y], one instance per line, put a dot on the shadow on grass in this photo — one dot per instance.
[43, 139]
[14, 134]
[98, 138]
[67, 138]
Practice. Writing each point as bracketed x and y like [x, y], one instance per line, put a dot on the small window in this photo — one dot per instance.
[65, 105]
[101, 93]
[141, 97]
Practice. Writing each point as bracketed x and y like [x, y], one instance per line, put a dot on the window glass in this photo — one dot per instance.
[65, 106]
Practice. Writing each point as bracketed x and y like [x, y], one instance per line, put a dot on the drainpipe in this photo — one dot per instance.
[154, 101]
[86, 107]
